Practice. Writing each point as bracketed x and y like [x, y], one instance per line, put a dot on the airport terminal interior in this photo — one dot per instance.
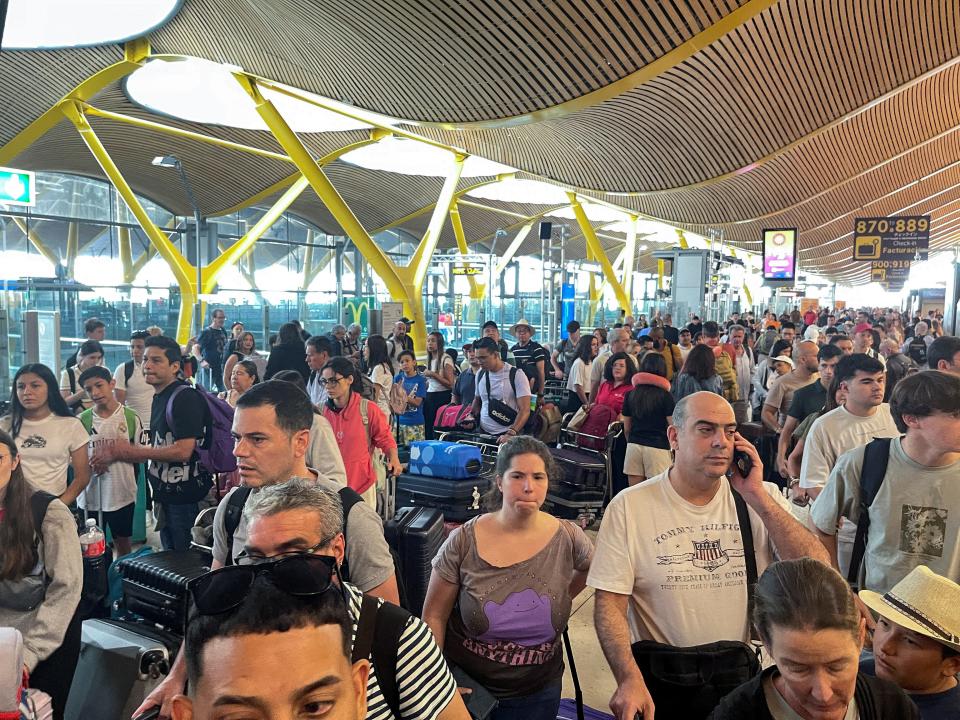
[679, 277]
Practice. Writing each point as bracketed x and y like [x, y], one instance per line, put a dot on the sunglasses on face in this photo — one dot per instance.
[300, 575]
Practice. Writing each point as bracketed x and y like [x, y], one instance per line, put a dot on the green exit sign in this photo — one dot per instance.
[17, 187]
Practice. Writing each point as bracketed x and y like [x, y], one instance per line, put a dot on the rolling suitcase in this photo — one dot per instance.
[458, 500]
[155, 585]
[120, 664]
[437, 458]
[415, 536]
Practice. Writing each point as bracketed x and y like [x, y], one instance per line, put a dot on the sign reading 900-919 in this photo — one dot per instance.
[17, 187]
[891, 238]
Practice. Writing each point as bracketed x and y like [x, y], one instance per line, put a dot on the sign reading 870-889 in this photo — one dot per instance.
[891, 238]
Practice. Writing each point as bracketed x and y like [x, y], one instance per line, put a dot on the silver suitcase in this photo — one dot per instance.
[120, 664]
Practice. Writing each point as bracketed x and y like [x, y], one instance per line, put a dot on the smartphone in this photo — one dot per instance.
[743, 463]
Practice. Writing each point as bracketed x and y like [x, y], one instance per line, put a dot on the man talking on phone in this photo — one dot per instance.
[672, 564]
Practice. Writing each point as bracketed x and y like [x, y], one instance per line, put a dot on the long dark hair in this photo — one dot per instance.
[585, 348]
[379, 354]
[55, 401]
[441, 344]
[343, 367]
[289, 334]
[645, 400]
[18, 555]
[701, 364]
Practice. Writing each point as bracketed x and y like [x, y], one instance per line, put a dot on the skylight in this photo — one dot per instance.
[531, 192]
[410, 157]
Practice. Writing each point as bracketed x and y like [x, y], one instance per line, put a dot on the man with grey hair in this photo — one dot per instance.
[338, 334]
[351, 343]
[917, 346]
[745, 363]
[300, 517]
[670, 563]
[617, 340]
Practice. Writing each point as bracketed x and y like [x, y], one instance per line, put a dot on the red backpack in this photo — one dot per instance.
[597, 423]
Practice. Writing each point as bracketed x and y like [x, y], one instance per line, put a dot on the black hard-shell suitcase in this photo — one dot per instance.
[416, 535]
[120, 664]
[581, 468]
[155, 585]
[458, 500]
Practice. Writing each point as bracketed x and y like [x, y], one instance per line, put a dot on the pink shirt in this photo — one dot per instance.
[352, 439]
[613, 396]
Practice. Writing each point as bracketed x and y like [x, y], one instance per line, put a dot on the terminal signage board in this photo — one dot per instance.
[891, 238]
[890, 271]
[467, 270]
[17, 187]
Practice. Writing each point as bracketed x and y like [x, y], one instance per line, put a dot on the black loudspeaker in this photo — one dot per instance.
[545, 230]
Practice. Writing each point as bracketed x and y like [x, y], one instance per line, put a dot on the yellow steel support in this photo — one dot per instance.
[748, 294]
[131, 268]
[424, 252]
[73, 247]
[34, 239]
[595, 290]
[682, 239]
[211, 272]
[630, 259]
[661, 266]
[134, 53]
[307, 261]
[178, 264]
[476, 289]
[512, 248]
[593, 244]
[322, 264]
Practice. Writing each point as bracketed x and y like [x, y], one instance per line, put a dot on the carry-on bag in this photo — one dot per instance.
[416, 536]
[458, 500]
[120, 664]
[437, 458]
[155, 585]
[451, 417]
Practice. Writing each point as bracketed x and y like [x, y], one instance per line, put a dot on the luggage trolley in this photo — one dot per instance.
[585, 487]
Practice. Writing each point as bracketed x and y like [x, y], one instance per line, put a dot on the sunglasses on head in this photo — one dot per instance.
[301, 575]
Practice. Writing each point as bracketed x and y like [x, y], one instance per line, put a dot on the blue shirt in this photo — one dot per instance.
[413, 385]
[935, 706]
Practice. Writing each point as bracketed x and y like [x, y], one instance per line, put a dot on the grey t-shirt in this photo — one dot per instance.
[367, 552]
[914, 519]
[507, 632]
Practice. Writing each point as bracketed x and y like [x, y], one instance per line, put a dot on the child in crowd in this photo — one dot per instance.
[112, 493]
[411, 421]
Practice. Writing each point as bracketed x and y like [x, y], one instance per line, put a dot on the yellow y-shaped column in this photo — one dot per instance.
[594, 246]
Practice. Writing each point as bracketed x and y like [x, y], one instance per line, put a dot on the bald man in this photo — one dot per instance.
[778, 399]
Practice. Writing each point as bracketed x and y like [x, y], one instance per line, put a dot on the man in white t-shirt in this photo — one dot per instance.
[862, 417]
[914, 517]
[112, 493]
[496, 373]
[131, 388]
[669, 564]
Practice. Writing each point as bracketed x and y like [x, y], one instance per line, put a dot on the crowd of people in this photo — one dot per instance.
[785, 488]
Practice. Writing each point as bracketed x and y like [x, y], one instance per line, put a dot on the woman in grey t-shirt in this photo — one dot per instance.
[512, 574]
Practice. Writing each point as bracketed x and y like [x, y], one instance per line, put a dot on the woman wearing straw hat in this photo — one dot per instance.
[917, 641]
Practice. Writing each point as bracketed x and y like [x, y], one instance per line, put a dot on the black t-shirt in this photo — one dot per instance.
[807, 400]
[527, 357]
[650, 429]
[212, 341]
[695, 328]
[187, 482]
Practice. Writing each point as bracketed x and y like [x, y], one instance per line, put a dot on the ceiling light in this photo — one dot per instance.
[410, 157]
[202, 91]
[48, 24]
[595, 213]
[532, 192]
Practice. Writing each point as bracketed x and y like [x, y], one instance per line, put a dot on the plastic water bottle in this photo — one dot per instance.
[93, 543]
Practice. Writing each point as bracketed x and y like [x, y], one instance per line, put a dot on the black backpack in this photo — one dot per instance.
[917, 350]
[876, 456]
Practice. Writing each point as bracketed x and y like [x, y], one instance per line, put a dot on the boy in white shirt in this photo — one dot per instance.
[113, 489]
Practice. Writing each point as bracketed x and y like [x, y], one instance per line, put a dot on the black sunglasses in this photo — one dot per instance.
[301, 575]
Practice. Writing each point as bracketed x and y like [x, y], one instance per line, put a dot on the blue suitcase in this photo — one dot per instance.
[437, 458]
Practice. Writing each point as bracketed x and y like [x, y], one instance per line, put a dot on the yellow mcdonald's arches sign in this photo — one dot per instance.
[360, 310]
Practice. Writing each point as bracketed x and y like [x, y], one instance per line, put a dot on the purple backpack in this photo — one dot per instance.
[216, 447]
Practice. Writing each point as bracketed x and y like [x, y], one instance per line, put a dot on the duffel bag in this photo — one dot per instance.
[437, 458]
[451, 417]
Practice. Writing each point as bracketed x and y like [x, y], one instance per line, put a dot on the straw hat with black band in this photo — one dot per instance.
[520, 324]
[923, 602]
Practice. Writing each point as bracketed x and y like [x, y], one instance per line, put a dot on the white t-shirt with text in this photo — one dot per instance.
[681, 564]
[45, 449]
[117, 487]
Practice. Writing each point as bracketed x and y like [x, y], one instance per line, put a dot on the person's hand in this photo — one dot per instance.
[204, 364]
[395, 467]
[505, 436]
[868, 617]
[782, 467]
[558, 374]
[104, 454]
[632, 698]
[163, 696]
[753, 483]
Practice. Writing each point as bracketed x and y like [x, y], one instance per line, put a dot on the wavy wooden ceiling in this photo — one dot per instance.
[808, 113]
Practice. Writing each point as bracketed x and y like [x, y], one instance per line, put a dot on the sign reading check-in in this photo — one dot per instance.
[891, 238]
[17, 187]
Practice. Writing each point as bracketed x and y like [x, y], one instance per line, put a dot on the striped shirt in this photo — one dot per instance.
[424, 682]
